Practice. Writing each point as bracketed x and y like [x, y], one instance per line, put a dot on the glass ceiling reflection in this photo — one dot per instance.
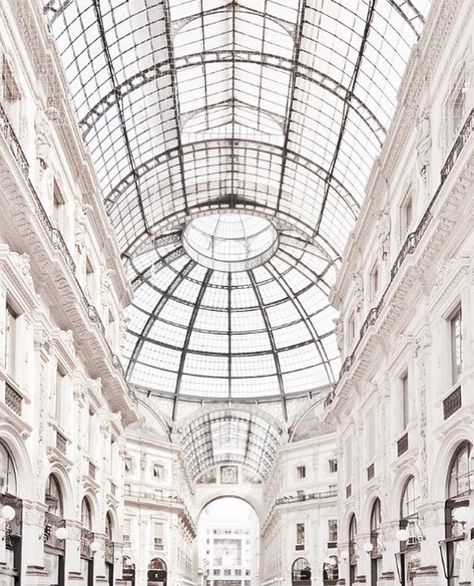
[277, 107]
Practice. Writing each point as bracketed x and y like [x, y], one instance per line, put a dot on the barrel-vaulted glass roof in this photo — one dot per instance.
[268, 109]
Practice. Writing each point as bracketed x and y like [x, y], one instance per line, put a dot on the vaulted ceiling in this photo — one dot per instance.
[233, 141]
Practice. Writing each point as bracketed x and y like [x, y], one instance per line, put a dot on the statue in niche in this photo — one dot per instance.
[358, 290]
[43, 153]
[339, 331]
[80, 225]
[383, 232]
[423, 145]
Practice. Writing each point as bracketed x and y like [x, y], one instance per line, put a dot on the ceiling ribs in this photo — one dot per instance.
[345, 113]
[291, 98]
[163, 68]
[174, 91]
[118, 102]
[271, 339]
[154, 314]
[187, 340]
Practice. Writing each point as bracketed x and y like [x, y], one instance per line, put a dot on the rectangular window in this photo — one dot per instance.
[333, 465]
[58, 207]
[370, 434]
[59, 398]
[158, 536]
[158, 471]
[301, 471]
[90, 278]
[406, 213]
[126, 531]
[456, 346]
[351, 329]
[332, 530]
[300, 536]
[91, 432]
[374, 281]
[10, 94]
[405, 401]
[459, 107]
[10, 341]
[348, 459]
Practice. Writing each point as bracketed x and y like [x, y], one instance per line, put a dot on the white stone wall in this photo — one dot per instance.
[52, 222]
[409, 331]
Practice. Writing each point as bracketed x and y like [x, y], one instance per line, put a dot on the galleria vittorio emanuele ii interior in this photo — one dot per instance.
[236, 292]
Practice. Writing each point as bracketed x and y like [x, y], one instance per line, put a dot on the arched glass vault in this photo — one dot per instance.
[193, 108]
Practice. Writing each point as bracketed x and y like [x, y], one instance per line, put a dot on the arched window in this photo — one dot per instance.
[352, 549]
[86, 514]
[156, 572]
[460, 484]
[53, 497]
[375, 520]
[461, 477]
[108, 526]
[408, 502]
[8, 483]
[301, 570]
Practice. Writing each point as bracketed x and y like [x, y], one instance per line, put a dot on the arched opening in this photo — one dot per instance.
[301, 572]
[352, 549]
[228, 541]
[9, 498]
[157, 573]
[128, 571]
[330, 570]
[460, 485]
[87, 538]
[109, 549]
[54, 543]
[409, 529]
[377, 549]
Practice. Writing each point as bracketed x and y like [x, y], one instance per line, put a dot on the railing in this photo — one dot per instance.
[13, 399]
[452, 403]
[54, 235]
[412, 240]
[61, 442]
[402, 444]
[163, 498]
[306, 497]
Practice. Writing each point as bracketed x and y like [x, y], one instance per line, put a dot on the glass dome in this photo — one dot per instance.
[260, 333]
[230, 242]
[242, 111]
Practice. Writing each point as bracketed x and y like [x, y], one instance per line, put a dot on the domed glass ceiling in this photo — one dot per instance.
[194, 110]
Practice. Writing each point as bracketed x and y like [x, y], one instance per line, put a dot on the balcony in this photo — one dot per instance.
[61, 442]
[452, 403]
[13, 399]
